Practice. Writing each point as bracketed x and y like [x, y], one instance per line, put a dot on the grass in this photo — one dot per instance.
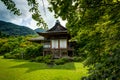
[11, 69]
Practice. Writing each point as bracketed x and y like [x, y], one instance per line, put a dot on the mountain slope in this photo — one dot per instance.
[39, 30]
[14, 30]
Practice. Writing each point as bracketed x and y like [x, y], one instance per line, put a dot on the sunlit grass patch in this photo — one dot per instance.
[11, 69]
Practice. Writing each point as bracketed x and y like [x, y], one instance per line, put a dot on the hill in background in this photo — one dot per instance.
[11, 29]
[39, 30]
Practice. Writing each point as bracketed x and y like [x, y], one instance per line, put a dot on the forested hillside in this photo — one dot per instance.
[39, 30]
[11, 29]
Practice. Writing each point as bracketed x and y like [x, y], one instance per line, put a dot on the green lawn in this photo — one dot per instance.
[11, 69]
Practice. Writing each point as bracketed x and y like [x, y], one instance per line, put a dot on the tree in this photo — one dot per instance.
[34, 10]
[95, 26]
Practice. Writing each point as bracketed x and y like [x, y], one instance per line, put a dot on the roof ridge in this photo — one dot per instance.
[57, 27]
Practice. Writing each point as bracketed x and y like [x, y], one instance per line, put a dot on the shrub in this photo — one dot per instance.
[39, 59]
[17, 56]
[33, 52]
[45, 59]
[32, 60]
[16, 53]
[66, 59]
[49, 61]
[76, 59]
[48, 57]
[59, 61]
[8, 47]
[9, 56]
[20, 47]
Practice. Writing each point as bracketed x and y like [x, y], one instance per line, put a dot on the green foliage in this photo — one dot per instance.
[11, 6]
[40, 30]
[10, 44]
[77, 59]
[17, 53]
[39, 59]
[3, 35]
[36, 13]
[8, 47]
[66, 59]
[20, 48]
[12, 56]
[10, 29]
[47, 59]
[2, 42]
[94, 24]
[33, 51]
[62, 60]
[8, 56]
[59, 61]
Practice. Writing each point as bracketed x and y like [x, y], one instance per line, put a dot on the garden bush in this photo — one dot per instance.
[9, 56]
[33, 52]
[17, 56]
[39, 59]
[49, 61]
[48, 57]
[59, 61]
[32, 60]
[77, 59]
[66, 59]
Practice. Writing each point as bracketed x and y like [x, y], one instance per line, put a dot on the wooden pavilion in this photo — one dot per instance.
[56, 41]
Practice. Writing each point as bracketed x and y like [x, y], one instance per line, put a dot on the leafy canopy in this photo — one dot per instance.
[95, 26]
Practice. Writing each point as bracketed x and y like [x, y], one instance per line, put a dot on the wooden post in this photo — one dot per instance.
[43, 53]
[73, 53]
[67, 52]
[60, 53]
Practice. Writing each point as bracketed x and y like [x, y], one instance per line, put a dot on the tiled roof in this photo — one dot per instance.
[37, 38]
[57, 28]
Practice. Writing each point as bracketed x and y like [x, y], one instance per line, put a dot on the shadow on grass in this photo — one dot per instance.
[33, 66]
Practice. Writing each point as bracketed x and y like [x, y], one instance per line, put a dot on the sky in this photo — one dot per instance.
[25, 19]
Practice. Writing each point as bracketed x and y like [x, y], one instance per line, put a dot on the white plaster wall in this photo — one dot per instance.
[54, 43]
[46, 46]
[63, 43]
